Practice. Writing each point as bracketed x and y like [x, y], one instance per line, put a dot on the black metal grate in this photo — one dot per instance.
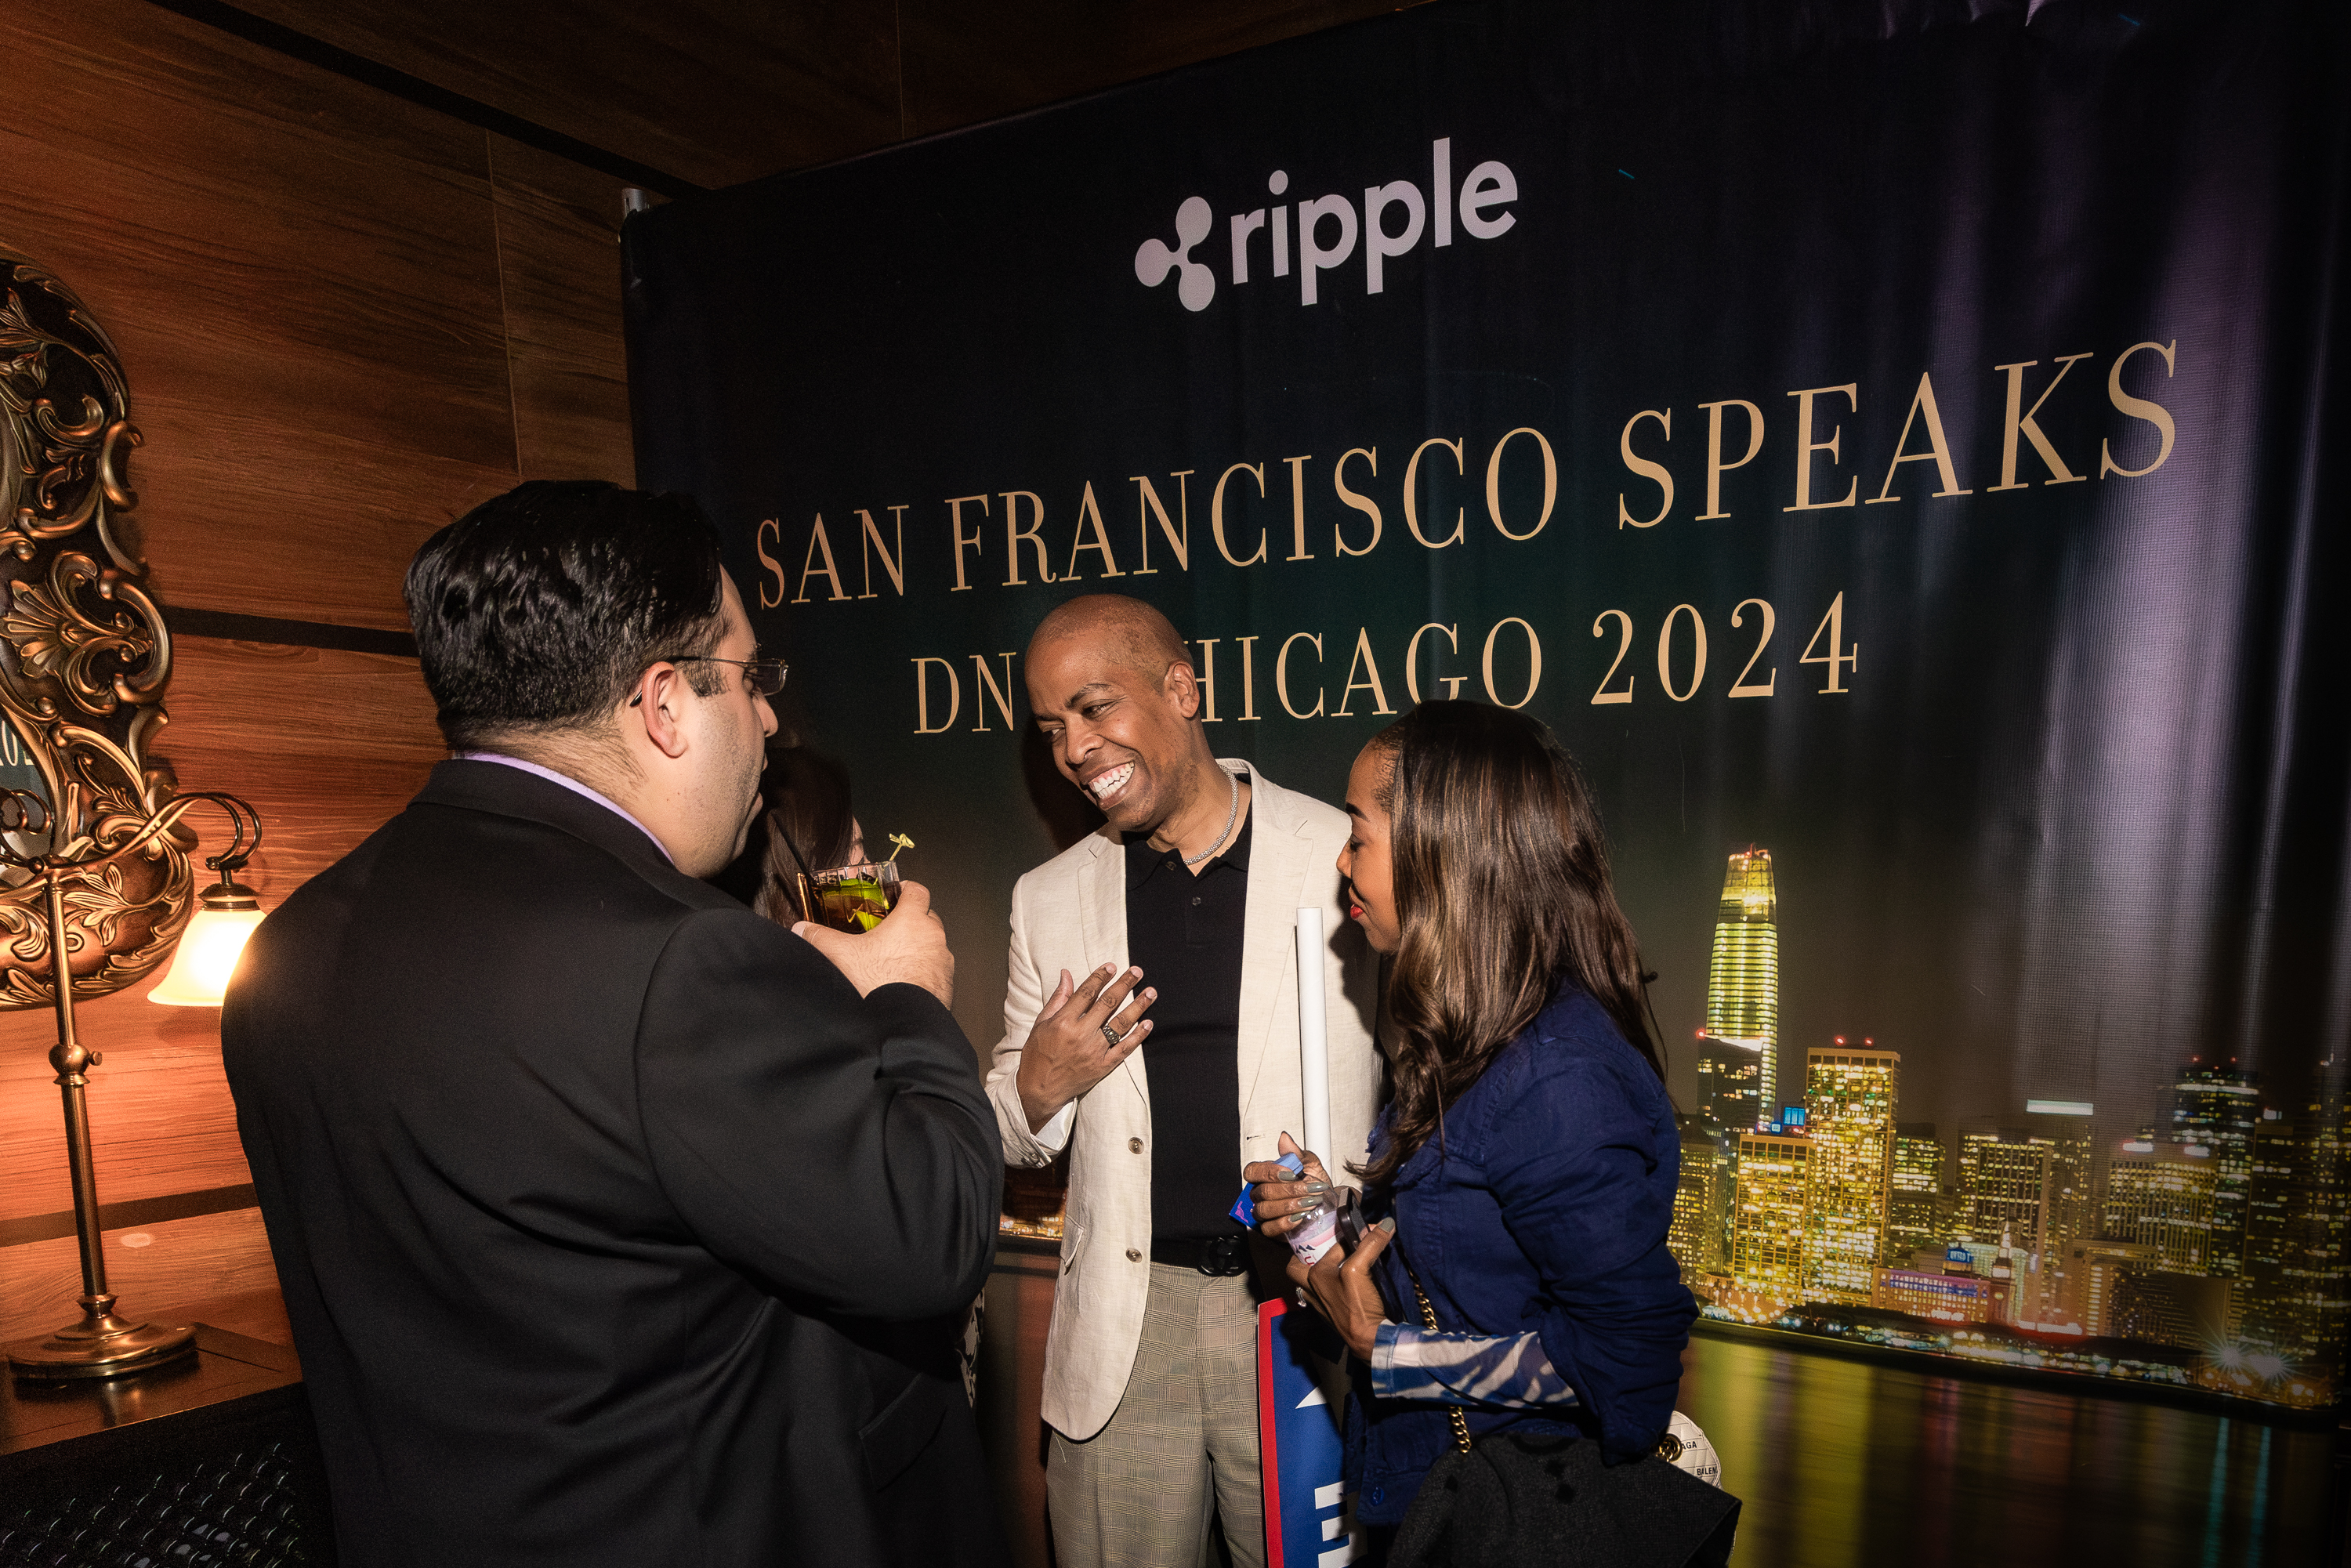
[241, 1511]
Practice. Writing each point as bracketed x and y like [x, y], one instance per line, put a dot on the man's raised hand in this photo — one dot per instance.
[1070, 1051]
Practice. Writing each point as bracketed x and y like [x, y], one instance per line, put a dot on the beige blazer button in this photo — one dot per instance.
[1133, 1255]
[1135, 1145]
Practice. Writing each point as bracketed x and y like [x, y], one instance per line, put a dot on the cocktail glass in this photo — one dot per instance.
[851, 898]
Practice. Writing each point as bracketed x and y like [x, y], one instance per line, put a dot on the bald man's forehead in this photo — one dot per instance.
[1061, 671]
[1107, 647]
[1117, 620]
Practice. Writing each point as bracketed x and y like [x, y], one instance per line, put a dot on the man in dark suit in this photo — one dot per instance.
[616, 1224]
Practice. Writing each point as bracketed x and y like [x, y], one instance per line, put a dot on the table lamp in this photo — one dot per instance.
[103, 1344]
[226, 913]
[95, 879]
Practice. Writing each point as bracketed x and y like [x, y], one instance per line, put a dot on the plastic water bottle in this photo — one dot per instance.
[1314, 1239]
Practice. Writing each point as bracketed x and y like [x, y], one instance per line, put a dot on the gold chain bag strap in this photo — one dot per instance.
[1669, 1448]
[1428, 1318]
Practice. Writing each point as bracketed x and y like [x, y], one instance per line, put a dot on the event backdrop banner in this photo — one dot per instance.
[1887, 443]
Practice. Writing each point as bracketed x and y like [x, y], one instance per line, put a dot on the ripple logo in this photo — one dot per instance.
[1154, 261]
[1388, 225]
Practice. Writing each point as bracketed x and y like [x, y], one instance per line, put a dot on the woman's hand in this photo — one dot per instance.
[1341, 1288]
[1284, 1202]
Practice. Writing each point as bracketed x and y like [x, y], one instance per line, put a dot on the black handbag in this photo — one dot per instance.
[1505, 1499]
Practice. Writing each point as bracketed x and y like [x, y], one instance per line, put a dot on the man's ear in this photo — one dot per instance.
[657, 704]
[1182, 688]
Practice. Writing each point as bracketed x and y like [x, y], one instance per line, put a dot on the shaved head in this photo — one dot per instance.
[1130, 633]
[1114, 692]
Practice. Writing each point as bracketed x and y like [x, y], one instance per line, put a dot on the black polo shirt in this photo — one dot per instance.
[1184, 931]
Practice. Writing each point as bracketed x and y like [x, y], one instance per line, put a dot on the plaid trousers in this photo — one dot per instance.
[1181, 1448]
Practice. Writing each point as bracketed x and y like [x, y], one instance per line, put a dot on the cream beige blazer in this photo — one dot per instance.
[1070, 914]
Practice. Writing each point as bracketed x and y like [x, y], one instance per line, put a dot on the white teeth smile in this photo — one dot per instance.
[1103, 786]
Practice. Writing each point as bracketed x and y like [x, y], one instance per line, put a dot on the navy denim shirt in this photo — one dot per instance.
[1545, 1207]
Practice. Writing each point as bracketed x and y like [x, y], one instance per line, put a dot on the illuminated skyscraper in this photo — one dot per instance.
[2065, 1125]
[1849, 1095]
[2215, 1108]
[1729, 1087]
[2004, 1184]
[2275, 1194]
[1701, 1228]
[1742, 980]
[2298, 1235]
[2161, 1195]
[2320, 1275]
[1913, 1209]
[2071, 1211]
[2094, 1273]
[2009, 1189]
[1767, 1234]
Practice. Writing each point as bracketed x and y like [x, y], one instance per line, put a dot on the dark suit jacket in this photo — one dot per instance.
[614, 1226]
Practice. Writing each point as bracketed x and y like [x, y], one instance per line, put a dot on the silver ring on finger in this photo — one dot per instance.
[1110, 1036]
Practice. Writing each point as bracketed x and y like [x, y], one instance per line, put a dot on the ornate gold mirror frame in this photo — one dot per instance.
[84, 661]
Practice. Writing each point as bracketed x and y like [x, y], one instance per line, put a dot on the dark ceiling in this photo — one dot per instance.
[719, 91]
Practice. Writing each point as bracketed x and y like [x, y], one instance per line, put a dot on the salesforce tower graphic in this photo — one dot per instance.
[1739, 1050]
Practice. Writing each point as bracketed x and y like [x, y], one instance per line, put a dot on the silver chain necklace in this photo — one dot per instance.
[1233, 783]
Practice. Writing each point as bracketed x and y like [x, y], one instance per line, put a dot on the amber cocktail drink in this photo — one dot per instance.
[851, 898]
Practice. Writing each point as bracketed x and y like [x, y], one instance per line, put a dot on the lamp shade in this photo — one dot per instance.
[208, 953]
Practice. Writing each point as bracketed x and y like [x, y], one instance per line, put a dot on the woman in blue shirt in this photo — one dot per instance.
[1525, 1168]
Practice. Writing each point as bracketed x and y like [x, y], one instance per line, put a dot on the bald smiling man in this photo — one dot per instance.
[1151, 1028]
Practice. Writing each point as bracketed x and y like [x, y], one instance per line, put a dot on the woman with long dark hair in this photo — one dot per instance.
[804, 824]
[807, 826]
[1524, 1170]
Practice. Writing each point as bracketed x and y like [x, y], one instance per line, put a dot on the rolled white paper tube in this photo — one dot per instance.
[1314, 1041]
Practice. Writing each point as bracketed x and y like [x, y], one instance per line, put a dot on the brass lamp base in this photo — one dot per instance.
[102, 1345]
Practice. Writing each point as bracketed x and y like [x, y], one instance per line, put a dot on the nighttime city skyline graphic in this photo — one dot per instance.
[1910, 506]
[2203, 1250]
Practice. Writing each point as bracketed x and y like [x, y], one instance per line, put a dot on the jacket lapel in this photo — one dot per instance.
[1278, 864]
[1101, 923]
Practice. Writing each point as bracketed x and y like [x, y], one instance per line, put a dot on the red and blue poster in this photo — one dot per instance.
[1309, 1519]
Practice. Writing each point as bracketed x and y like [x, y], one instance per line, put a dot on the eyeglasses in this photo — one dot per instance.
[766, 676]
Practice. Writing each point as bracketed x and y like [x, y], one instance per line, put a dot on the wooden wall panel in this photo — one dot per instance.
[327, 745]
[559, 270]
[301, 276]
[714, 91]
[150, 1267]
[161, 1120]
